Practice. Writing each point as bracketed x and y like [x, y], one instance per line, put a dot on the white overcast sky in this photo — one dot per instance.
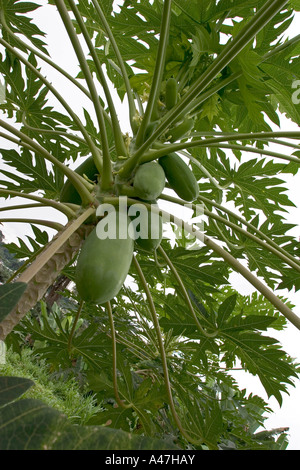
[62, 52]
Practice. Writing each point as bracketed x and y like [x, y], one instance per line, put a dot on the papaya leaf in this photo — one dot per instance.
[16, 17]
[29, 424]
[10, 295]
[12, 388]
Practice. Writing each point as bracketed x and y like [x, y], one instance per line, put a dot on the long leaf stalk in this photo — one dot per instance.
[271, 140]
[206, 172]
[119, 401]
[57, 95]
[42, 56]
[158, 72]
[56, 243]
[268, 153]
[43, 131]
[65, 169]
[163, 355]
[118, 137]
[268, 244]
[233, 246]
[17, 141]
[148, 333]
[23, 206]
[237, 217]
[185, 294]
[46, 223]
[130, 96]
[25, 264]
[284, 143]
[75, 322]
[292, 263]
[82, 186]
[104, 167]
[290, 42]
[233, 262]
[193, 104]
[230, 51]
[168, 148]
[42, 201]
[224, 82]
[238, 267]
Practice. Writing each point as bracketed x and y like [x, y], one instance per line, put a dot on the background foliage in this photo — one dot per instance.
[242, 187]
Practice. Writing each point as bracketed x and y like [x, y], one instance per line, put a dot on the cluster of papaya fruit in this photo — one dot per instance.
[103, 264]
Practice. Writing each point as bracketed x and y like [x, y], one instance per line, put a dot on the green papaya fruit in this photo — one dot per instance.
[180, 130]
[68, 192]
[103, 264]
[147, 226]
[179, 176]
[149, 181]
[171, 93]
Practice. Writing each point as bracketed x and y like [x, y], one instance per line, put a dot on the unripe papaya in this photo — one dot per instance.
[179, 176]
[103, 265]
[149, 181]
[180, 130]
[68, 192]
[171, 93]
[148, 227]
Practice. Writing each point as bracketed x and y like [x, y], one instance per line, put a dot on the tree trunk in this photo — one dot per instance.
[54, 294]
[43, 279]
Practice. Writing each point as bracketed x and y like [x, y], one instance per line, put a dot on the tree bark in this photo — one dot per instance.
[43, 279]
[54, 293]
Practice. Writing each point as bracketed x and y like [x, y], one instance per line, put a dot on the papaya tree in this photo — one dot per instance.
[155, 326]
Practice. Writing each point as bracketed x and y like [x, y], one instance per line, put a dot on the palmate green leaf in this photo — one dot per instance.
[200, 273]
[282, 72]
[114, 417]
[35, 171]
[193, 264]
[24, 91]
[253, 187]
[148, 397]
[259, 258]
[295, 4]
[265, 264]
[201, 421]
[145, 394]
[12, 388]
[29, 424]
[24, 250]
[176, 316]
[26, 100]
[259, 354]
[210, 10]
[90, 344]
[252, 305]
[15, 13]
[273, 30]
[257, 187]
[226, 309]
[290, 280]
[10, 295]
